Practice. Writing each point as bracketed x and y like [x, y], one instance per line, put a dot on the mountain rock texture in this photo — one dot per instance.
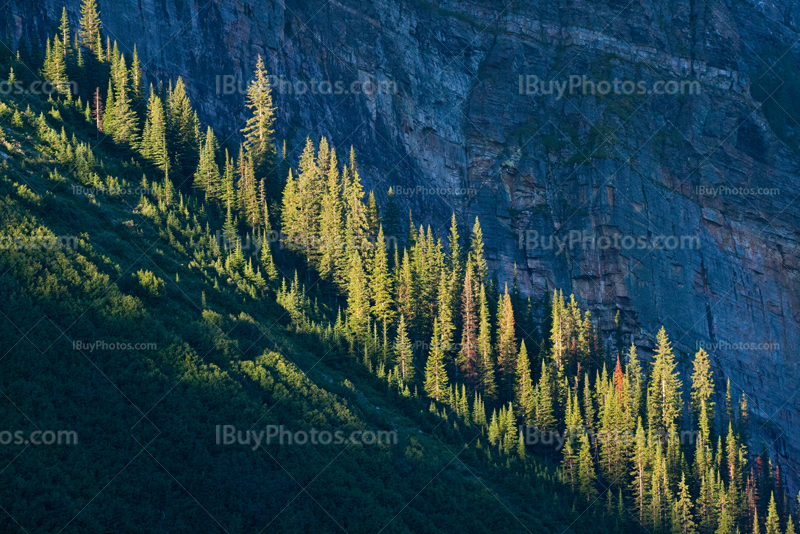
[453, 127]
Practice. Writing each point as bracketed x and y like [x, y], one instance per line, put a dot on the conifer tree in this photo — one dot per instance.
[64, 34]
[405, 288]
[90, 27]
[506, 344]
[544, 406]
[436, 380]
[640, 472]
[683, 508]
[137, 80]
[259, 130]
[290, 212]
[357, 298]
[525, 396]
[309, 192]
[486, 373]
[183, 130]
[124, 119]
[468, 356]
[480, 269]
[633, 371]
[381, 284]
[266, 259]
[702, 388]
[404, 353]
[330, 222]
[207, 177]
[586, 471]
[355, 210]
[665, 404]
[373, 215]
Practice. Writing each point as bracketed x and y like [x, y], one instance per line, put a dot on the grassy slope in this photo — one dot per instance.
[147, 460]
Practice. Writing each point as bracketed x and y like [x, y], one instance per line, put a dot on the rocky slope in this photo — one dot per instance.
[458, 133]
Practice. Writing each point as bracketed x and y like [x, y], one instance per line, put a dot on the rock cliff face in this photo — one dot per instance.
[453, 121]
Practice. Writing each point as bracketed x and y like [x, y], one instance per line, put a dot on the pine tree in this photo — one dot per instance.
[640, 472]
[355, 210]
[55, 66]
[183, 130]
[90, 27]
[290, 212]
[468, 356]
[373, 215]
[506, 344]
[152, 146]
[665, 403]
[64, 33]
[586, 472]
[357, 298]
[525, 396]
[436, 381]
[405, 287]
[207, 177]
[137, 80]
[309, 192]
[773, 523]
[486, 374]
[633, 371]
[404, 353]
[702, 388]
[259, 130]
[544, 406]
[381, 284]
[480, 269]
[266, 260]
[683, 508]
[330, 222]
[125, 121]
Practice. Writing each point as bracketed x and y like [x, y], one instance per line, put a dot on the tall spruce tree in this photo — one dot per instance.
[664, 398]
[486, 374]
[90, 27]
[404, 353]
[259, 131]
[506, 344]
[468, 355]
[436, 381]
[525, 395]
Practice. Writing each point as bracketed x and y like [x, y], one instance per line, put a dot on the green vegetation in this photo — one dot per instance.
[156, 287]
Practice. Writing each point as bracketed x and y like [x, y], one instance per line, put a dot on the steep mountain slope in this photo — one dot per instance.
[627, 165]
[115, 331]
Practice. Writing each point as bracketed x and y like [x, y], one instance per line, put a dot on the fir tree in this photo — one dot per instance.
[357, 298]
[90, 27]
[436, 381]
[183, 130]
[506, 344]
[525, 396]
[404, 353]
[480, 268]
[665, 404]
[486, 373]
[381, 284]
[544, 406]
[152, 145]
[207, 177]
[259, 130]
[468, 356]
[586, 471]
[702, 388]
[683, 509]
[330, 223]
[773, 523]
